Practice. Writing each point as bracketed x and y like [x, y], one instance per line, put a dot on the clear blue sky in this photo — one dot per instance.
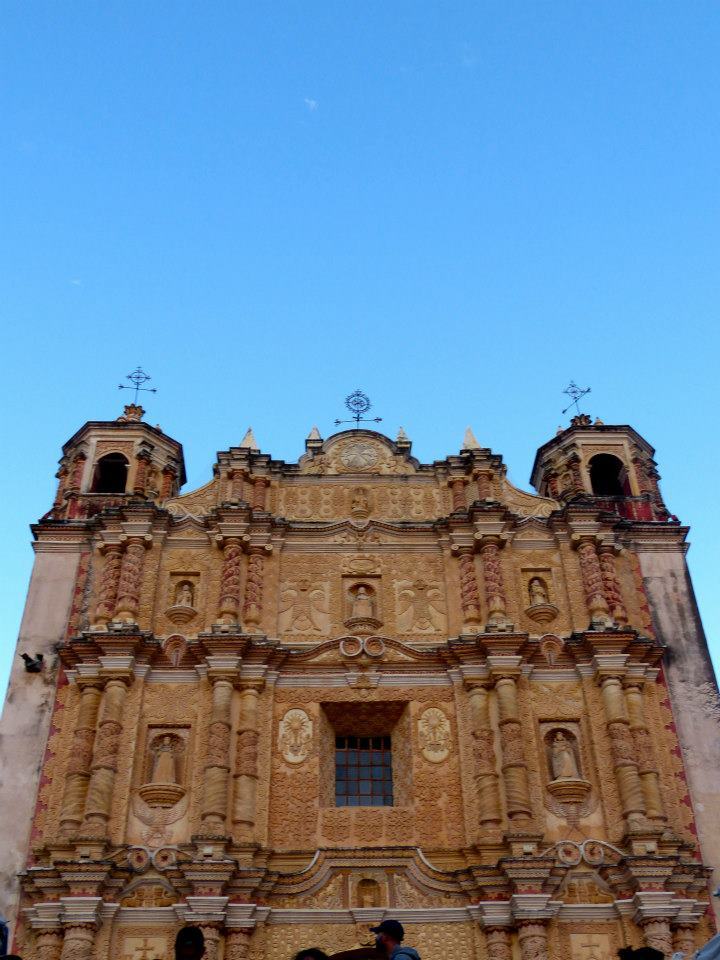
[455, 206]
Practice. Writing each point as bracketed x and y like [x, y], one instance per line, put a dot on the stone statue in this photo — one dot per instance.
[164, 761]
[362, 605]
[184, 594]
[562, 758]
[538, 591]
[360, 503]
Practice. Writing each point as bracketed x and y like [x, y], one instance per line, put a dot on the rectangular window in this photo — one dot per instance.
[363, 772]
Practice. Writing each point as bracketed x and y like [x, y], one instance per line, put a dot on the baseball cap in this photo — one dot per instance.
[393, 928]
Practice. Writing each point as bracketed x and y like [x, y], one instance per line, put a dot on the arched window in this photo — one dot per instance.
[110, 474]
[608, 476]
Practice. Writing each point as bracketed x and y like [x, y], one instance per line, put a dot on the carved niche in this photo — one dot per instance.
[434, 737]
[566, 783]
[295, 736]
[183, 595]
[362, 605]
[164, 768]
[538, 595]
[420, 606]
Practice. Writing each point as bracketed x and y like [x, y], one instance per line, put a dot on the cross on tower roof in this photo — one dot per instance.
[576, 394]
[358, 403]
[138, 377]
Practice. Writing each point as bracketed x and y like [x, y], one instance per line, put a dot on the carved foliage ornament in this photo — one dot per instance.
[295, 736]
[434, 735]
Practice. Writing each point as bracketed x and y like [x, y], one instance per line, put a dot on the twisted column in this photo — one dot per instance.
[78, 942]
[656, 931]
[484, 482]
[236, 485]
[62, 476]
[498, 943]
[260, 488]
[98, 802]
[532, 937]
[237, 944]
[469, 596]
[486, 775]
[77, 776]
[141, 473]
[230, 581]
[131, 574]
[684, 940]
[514, 765]
[621, 745]
[76, 473]
[494, 584]
[593, 582]
[48, 944]
[644, 753]
[246, 766]
[253, 603]
[573, 464]
[217, 767]
[457, 489]
[167, 485]
[211, 933]
[611, 585]
[109, 583]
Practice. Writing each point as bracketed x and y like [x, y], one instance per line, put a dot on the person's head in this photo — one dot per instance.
[387, 935]
[311, 953]
[189, 944]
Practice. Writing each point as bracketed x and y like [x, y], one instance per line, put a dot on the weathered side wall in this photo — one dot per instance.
[26, 718]
[693, 690]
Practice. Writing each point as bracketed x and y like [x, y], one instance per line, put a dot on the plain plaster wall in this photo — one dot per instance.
[693, 691]
[25, 720]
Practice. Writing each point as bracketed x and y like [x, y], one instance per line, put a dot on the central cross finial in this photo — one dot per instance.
[138, 377]
[576, 394]
[358, 403]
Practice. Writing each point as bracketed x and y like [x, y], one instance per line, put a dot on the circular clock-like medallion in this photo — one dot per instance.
[359, 456]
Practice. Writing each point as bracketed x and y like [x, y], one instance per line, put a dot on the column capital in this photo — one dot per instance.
[228, 537]
[118, 667]
[610, 666]
[504, 667]
[223, 667]
[80, 911]
[141, 539]
[44, 916]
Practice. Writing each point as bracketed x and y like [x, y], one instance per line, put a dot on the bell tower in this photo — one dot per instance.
[109, 463]
[609, 466]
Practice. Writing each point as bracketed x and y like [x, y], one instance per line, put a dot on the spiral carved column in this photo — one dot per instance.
[212, 934]
[684, 940]
[98, 803]
[141, 473]
[76, 474]
[217, 767]
[81, 754]
[260, 488]
[498, 944]
[486, 776]
[48, 944]
[593, 582]
[656, 931]
[514, 765]
[236, 485]
[131, 576]
[246, 766]
[484, 482]
[62, 477]
[494, 583]
[237, 944]
[229, 608]
[167, 484]
[109, 583]
[457, 489]
[532, 937]
[622, 747]
[469, 595]
[644, 753]
[78, 942]
[253, 603]
[611, 585]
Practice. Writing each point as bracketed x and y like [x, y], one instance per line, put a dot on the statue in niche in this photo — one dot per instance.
[184, 594]
[563, 761]
[368, 892]
[360, 503]
[164, 767]
[362, 603]
[538, 592]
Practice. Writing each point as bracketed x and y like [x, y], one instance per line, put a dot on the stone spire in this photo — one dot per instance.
[402, 437]
[249, 442]
[470, 441]
[314, 434]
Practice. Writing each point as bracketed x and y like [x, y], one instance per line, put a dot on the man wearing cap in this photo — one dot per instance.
[389, 936]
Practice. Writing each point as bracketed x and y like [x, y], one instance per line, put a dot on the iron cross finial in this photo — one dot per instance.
[138, 377]
[576, 394]
[358, 403]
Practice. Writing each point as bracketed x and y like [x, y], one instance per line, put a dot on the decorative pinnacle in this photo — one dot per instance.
[576, 394]
[470, 441]
[314, 434]
[402, 437]
[358, 403]
[249, 442]
[138, 377]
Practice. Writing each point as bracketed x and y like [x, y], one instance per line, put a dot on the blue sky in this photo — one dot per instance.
[457, 207]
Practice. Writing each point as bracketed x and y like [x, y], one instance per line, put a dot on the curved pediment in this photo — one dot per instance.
[354, 452]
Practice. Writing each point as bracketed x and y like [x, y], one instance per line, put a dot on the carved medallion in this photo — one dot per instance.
[295, 736]
[434, 735]
[359, 456]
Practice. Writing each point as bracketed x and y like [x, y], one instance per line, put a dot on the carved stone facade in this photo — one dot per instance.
[309, 695]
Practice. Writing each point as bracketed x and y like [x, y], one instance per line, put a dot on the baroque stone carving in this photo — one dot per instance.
[434, 735]
[304, 608]
[420, 607]
[295, 736]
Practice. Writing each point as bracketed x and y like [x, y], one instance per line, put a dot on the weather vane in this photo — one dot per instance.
[576, 394]
[138, 377]
[358, 403]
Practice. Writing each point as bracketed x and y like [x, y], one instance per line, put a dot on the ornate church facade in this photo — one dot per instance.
[310, 695]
